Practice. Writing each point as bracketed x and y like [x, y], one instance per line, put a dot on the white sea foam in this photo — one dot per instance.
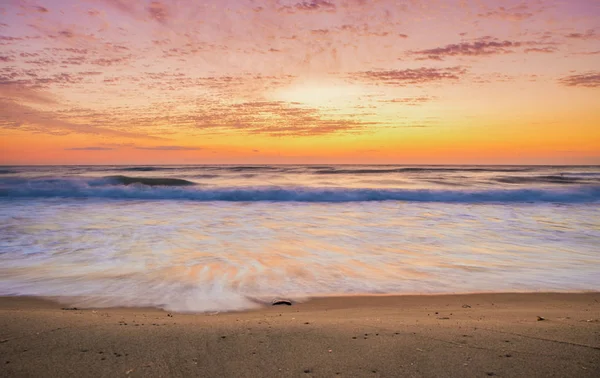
[223, 256]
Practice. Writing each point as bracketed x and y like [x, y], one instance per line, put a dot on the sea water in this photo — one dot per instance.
[219, 238]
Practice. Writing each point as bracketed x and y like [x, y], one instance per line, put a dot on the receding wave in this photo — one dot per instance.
[117, 187]
[149, 181]
[7, 171]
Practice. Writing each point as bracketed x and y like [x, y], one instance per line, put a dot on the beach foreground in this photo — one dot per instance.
[476, 335]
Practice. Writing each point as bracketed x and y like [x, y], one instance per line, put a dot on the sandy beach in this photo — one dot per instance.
[475, 335]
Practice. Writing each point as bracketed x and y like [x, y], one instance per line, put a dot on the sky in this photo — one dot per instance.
[299, 82]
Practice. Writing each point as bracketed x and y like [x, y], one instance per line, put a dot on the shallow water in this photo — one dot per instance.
[232, 239]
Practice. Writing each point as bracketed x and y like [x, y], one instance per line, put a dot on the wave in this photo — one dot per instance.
[143, 169]
[148, 181]
[7, 171]
[122, 187]
[356, 171]
[582, 174]
[551, 179]
[242, 168]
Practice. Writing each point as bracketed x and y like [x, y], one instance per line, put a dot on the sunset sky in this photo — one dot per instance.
[291, 81]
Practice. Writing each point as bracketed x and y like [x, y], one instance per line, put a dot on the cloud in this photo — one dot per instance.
[485, 46]
[155, 10]
[547, 50]
[410, 76]
[590, 34]
[32, 78]
[275, 118]
[169, 148]
[90, 148]
[478, 48]
[588, 53]
[90, 73]
[18, 116]
[517, 13]
[214, 112]
[66, 33]
[8, 40]
[158, 12]
[491, 77]
[589, 80]
[126, 6]
[412, 101]
[315, 5]
[107, 62]
[41, 9]
[309, 6]
[25, 94]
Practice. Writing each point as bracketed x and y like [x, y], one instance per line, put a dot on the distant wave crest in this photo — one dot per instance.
[549, 179]
[149, 181]
[117, 187]
[358, 171]
[143, 169]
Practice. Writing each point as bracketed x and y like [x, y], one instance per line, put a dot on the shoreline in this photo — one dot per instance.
[451, 335]
[349, 300]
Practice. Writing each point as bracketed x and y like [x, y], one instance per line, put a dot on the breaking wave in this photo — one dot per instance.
[550, 179]
[149, 181]
[123, 187]
[144, 169]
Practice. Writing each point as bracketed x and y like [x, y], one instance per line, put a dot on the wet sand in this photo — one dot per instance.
[477, 335]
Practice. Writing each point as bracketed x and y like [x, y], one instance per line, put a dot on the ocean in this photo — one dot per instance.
[222, 238]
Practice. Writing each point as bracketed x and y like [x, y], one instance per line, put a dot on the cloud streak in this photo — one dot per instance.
[411, 101]
[23, 93]
[169, 148]
[588, 80]
[276, 118]
[483, 47]
[89, 148]
[27, 118]
[414, 76]
[517, 13]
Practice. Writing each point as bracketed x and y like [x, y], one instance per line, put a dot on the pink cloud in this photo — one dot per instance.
[517, 13]
[315, 5]
[589, 80]
[486, 46]
[158, 11]
[590, 34]
[410, 76]
[24, 93]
